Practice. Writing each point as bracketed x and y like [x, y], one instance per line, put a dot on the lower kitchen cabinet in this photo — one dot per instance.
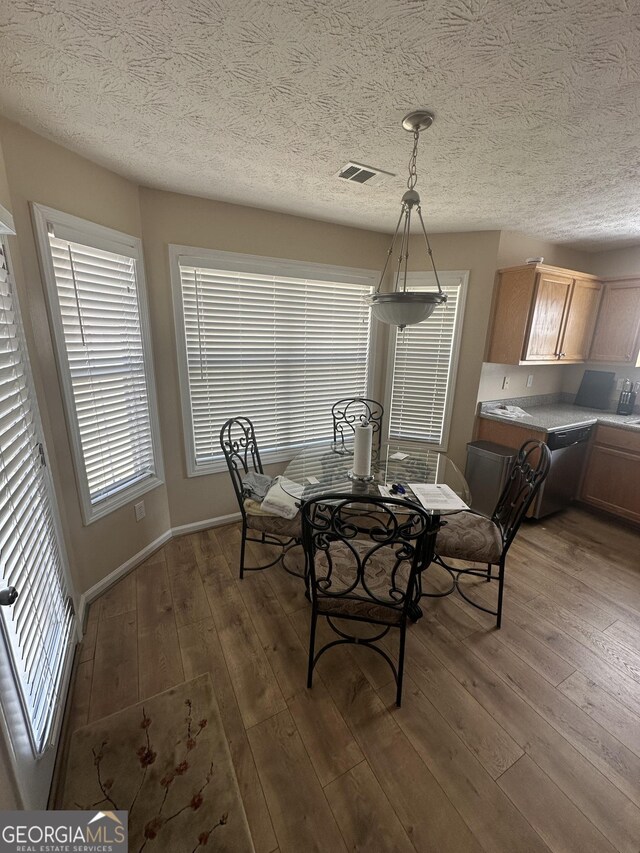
[612, 478]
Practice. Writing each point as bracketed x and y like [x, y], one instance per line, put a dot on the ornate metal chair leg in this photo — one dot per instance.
[242, 547]
[403, 629]
[312, 647]
[500, 591]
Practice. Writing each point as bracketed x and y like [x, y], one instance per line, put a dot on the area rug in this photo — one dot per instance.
[167, 762]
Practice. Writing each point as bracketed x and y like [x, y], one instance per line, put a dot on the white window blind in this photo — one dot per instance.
[422, 366]
[276, 349]
[38, 627]
[95, 301]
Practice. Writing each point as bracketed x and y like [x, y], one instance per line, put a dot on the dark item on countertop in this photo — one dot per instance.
[627, 400]
[595, 389]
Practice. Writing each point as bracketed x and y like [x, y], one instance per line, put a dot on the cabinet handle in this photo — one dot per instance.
[561, 354]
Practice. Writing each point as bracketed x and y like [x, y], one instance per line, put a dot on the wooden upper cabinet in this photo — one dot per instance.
[580, 320]
[543, 314]
[617, 334]
[550, 303]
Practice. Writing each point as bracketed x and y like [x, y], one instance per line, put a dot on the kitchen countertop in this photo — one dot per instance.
[556, 416]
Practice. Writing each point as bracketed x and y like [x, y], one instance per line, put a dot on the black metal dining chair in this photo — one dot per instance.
[474, 538]
[241, 453]
[350, 412]
[363, 555]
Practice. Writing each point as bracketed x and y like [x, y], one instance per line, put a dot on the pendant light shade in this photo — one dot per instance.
[401, 307]
[405, 307]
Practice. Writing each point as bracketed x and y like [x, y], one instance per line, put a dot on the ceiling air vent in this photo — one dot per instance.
[360, 174]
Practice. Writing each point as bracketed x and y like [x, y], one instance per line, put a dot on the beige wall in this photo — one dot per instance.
[515, 248]
[41, 171]
[617, 262]
[547, 379]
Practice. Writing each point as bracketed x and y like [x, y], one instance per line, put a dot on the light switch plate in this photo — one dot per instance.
[139, 510]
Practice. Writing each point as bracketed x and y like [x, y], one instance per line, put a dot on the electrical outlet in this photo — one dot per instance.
[505, 381]
[139, 510]
[530, 380]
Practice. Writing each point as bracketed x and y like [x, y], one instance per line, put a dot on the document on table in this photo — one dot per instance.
[437, 496]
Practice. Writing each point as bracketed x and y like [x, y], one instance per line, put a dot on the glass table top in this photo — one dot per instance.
[330, 465]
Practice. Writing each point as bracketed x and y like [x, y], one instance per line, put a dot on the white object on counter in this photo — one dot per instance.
[509, 412]
[362, 450]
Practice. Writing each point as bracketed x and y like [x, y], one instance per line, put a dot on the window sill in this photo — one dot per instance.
[91, 513]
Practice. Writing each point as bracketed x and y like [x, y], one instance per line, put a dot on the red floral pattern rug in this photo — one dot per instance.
[166, 761]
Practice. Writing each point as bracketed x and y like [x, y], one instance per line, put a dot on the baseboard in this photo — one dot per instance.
[182, 529]
[114, 576]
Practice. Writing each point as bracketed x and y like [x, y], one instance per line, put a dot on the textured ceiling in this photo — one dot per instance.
[260, 102]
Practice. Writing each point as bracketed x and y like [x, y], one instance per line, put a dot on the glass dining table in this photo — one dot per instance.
[326, 468]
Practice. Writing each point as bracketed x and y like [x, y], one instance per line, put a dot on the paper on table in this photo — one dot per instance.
[437, 496]
[398, 455]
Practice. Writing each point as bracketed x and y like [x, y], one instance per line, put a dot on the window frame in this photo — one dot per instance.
[262, 265]
[96, 236]
[447, 278]
[33, 766]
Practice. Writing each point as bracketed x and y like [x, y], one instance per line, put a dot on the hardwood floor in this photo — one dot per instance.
[523, 739]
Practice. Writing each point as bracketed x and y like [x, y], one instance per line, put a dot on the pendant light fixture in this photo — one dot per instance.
[402, 307]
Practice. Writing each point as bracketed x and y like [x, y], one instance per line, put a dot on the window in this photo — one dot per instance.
[273, 340]
[97, 305]
[39, 627]
[422, 365]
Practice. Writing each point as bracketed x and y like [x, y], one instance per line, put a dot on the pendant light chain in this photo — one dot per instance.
[413, 168]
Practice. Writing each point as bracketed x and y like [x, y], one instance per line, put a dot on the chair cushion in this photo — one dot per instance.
[471, 537]
[351, 607]
[377, 577]
[266, 522]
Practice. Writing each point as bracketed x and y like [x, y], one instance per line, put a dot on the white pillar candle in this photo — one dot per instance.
[362, 450]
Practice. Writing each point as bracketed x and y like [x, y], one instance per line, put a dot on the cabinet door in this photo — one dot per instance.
[611, 481]
[617, 334]
[550, 302]
[580, 320]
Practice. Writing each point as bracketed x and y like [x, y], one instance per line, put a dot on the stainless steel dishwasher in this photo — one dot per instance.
[568, 455]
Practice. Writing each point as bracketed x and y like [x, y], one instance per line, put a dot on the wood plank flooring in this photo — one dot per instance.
[523, 739]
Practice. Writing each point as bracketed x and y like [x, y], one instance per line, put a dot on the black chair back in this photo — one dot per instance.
[350, 412]
[527, 474]
[240, 448]
[363, 554]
